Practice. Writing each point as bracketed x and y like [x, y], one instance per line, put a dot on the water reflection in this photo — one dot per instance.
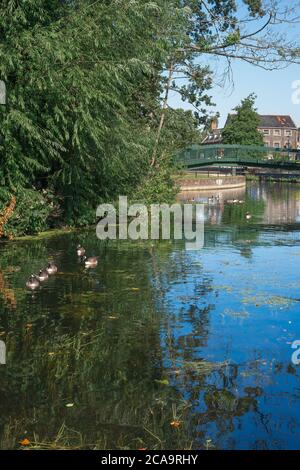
[157, 347]
[272, 203]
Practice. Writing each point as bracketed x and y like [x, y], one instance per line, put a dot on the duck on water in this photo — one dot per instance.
[80, 250]
[91, 261]
[43, 275]
[35, 279]
[51, 268]
[33, 282]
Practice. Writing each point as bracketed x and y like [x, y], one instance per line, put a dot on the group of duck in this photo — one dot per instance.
[238, 201]
[235, 201]
[35, 279]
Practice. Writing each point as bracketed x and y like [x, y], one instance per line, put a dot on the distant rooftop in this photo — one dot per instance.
[269, 120]
[215, 137]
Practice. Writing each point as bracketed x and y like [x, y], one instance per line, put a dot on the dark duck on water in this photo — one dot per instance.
[33, 282]
[43, 275]
[91, 261]
[51, 268]
[80, 250]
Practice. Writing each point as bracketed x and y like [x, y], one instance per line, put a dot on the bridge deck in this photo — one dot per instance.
[197, 155]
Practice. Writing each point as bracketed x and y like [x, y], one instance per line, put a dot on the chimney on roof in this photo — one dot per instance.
[214, 124]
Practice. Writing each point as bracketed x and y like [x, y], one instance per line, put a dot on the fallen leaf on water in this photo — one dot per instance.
[112, 318]
[25, 442]
[162, 382]
[29, 325]
[175, 424]
[69, 405]
[135, 288]
[51, 354]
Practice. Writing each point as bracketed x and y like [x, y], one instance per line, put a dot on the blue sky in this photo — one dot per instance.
[273, 90]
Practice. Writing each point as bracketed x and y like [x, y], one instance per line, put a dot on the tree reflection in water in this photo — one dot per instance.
[157, 347]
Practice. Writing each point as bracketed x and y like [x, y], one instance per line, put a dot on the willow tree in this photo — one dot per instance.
[81, 79]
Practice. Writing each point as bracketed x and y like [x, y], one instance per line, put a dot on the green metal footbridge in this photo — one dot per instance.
[196, 156]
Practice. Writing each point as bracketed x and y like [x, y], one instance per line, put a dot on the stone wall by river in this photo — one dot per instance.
[213, 182]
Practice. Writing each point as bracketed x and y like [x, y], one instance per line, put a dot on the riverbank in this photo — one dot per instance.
[47, 234]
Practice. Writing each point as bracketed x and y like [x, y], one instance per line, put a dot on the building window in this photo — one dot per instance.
[267, 144]
[277, 131]
[277, 145]
[288, 133]
[266, 131]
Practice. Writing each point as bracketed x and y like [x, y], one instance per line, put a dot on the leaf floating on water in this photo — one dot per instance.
[203, 367]
[111, 317]
[25, 442]
[175, 424]
[223, 287]
[162, 382]
[135, 289]
[69, 405]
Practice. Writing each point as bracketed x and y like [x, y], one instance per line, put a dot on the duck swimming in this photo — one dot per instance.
[80, 250]
[43, 275]
[91, 261]
[51, 268]
[33, 282]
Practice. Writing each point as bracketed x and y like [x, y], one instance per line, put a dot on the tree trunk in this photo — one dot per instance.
[163, 114]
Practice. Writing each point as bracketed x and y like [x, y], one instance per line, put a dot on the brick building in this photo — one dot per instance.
[278, 132]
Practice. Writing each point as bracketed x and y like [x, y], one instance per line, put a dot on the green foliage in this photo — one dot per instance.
[84, 86]
[81, 79]
[242, 127]
[159, 186]
[30, 215]
[180, 129]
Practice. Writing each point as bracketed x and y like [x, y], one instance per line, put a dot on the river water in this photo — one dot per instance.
[158, 347]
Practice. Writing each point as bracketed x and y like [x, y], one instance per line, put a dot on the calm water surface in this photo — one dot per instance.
[158, 347]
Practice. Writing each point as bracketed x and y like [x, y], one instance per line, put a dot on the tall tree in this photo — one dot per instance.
[242, 128]
[82, 78]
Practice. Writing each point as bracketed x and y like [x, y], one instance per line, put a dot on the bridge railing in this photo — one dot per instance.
[213, 154]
